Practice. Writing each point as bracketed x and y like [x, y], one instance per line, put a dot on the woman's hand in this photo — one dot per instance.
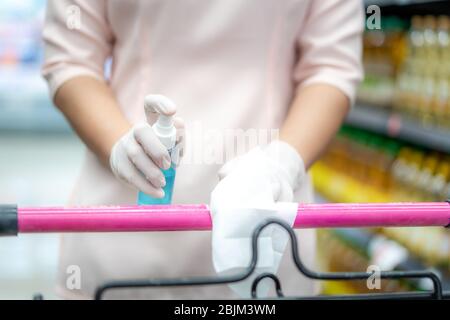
[276, 167]
[138, 157]
[134, 153]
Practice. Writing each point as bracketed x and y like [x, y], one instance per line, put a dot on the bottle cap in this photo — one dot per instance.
[163, 127]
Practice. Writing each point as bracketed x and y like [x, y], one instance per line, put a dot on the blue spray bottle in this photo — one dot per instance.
[167, 134]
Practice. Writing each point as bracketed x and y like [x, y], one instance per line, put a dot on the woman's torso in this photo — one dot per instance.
[228, 66]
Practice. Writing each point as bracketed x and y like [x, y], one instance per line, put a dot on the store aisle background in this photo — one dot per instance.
[35, 169]
[39, 155]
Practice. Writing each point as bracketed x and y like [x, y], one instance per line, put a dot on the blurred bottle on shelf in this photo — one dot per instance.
[416, 37]
[384, 53]
[413, 77]
[441, 104]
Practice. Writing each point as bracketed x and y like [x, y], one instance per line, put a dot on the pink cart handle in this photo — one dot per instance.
[15, 220]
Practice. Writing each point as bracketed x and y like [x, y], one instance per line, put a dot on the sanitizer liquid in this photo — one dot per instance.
[169, 175]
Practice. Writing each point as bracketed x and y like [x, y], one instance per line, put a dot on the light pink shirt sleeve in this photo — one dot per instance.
[77, 50]
[330, 46]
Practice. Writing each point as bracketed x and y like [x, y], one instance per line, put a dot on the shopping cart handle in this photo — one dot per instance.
[15, 219]
[8, 220]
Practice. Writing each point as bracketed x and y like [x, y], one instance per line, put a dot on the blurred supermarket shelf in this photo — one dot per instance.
[402, 248]
[382, 250]
[25, 104]
[359, 167]
[388, 254]
[383, 122]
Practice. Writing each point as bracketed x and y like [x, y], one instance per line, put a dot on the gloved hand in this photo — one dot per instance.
[138, 156]
[254, 187]
[278, 163]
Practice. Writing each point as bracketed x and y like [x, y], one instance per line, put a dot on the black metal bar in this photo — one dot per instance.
[263, 276]
[8, 220]
[436, 293]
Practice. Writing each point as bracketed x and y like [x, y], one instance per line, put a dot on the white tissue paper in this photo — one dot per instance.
[235, 218]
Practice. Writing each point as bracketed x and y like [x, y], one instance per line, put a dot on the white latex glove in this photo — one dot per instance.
[253, 188]
[278, 162]
[138, 157]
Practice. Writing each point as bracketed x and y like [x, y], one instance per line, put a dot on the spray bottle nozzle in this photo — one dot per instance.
[163, 127]
[155, 103]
